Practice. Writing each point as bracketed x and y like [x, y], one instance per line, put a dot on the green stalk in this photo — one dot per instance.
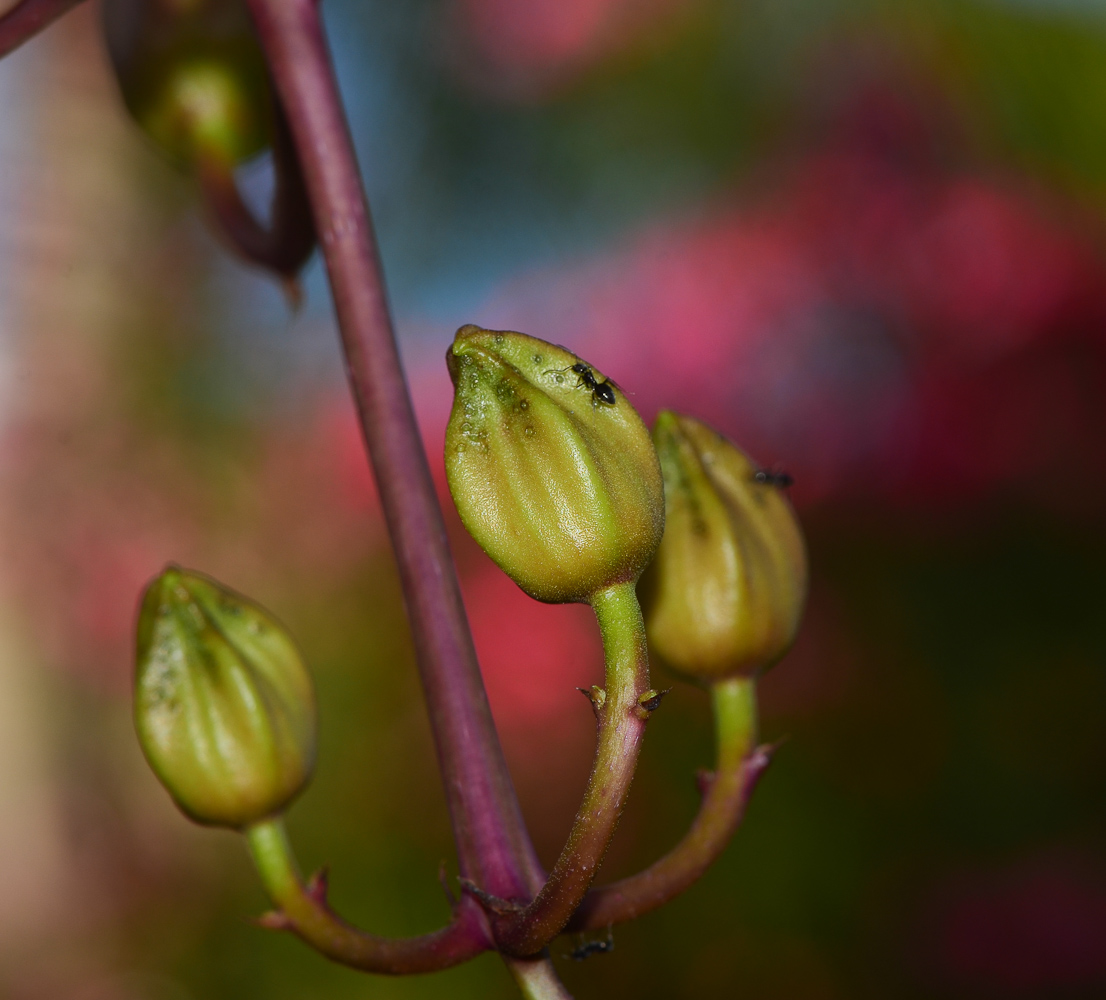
[303, 910]
[738, 766]
[623, 707]
[537, 979]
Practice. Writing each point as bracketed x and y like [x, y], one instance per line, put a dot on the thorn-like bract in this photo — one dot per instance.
[491, 902]
[318, 885]
[596, 695]
[648, 703]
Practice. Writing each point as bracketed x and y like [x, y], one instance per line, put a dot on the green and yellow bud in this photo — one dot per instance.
[205, 106]
[725, 594]
[224, 706]
[552, 470]
[193, 76]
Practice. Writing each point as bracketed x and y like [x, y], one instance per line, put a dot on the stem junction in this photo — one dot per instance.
[727, 792]
[303, 910]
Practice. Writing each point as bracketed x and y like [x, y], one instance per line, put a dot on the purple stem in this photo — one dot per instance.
[286, 243]
[493, 846]
[27, 19]
[303, 910]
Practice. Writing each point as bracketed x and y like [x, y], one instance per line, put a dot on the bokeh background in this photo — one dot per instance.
[863, 238]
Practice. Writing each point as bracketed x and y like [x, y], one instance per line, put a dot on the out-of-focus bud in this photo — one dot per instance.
[551, 468]
[224, 706]
[192, 75]
[725, 593]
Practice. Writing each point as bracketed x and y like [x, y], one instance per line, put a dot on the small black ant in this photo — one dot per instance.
[768, 477]
[589, 948]
[601, 391]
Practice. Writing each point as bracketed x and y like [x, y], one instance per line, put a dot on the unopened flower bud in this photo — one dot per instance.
[192, 75]
[725, 593]
[551, 468]
[224, 706]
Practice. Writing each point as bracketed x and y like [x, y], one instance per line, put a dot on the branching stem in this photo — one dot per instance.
[622, 709]
[287, 241]
[304, 911]
[738, 767]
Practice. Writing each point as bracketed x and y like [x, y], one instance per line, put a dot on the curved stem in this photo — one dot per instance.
[622, 708]
[303, 910]
[493, 846]
[737, 770]
[537, 979]
[27, 19]
[286, 243]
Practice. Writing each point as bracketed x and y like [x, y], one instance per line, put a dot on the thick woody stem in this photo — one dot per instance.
[492, 843]
[304, 911]
[623, 707]
[27, 19]
[738, 767]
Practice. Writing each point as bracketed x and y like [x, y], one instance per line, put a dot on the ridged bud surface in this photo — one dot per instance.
[224, 706]
[192, 75]
[725, 593]
[552, 470]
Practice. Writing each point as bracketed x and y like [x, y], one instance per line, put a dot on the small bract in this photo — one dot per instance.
[725, 593]
[224, 706]
[551, 468]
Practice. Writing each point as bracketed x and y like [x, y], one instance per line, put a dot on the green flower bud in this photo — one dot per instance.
[551, 468]
[224, 706]
[192, 75]
[725, 593]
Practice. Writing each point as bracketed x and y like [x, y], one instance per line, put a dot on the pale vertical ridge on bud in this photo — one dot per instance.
[726, 590]
[224, 706]
[552, 470]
